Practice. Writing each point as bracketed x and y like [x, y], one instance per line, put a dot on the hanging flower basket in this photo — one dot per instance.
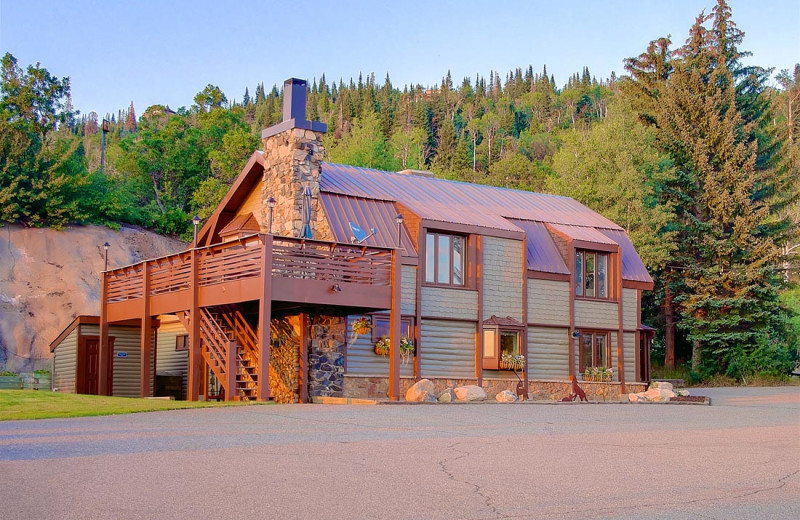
[361, 326]
[406, 349]
[512, 362]
[382, 347]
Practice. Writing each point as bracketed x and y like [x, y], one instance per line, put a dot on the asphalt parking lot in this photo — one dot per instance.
[739, 458]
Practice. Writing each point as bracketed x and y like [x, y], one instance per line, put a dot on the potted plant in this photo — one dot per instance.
[361, 326]
[406, 349]
[382, 346]
[598, 374]
[515, 362]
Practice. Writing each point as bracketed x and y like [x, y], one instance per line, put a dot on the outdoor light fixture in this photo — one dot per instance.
[105, 247]
[195, 222]
[336, 288]
[399, 220]
[271, 206]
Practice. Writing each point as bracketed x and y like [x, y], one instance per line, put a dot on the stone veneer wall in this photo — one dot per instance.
[326, 356]
[293, 159]
[378, 387]
[284, 359]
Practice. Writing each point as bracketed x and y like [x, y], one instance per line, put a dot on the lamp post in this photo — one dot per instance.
[105, 247]
[399, 220]
[271, 206]
[195, 222]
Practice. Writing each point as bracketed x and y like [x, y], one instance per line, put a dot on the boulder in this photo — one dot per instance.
[682, 392]
[429, 397]
[470, 393]
[506, 396]
[418, 390]
[448, 396]
[661, 385]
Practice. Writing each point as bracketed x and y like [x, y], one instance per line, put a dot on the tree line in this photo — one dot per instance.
[693, 152]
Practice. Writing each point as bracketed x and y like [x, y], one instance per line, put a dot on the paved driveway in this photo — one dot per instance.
[737, 459]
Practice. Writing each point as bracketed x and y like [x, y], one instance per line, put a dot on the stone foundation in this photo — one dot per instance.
[378, 387]
[326, 356]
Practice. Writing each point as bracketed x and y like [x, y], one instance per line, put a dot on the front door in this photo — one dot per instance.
[92, 366]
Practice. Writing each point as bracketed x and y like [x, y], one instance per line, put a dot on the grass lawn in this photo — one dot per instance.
[38, 404]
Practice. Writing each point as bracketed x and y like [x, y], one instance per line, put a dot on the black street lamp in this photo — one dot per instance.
[399, 220]
[271, 206]
[195, 222]
[105, 247]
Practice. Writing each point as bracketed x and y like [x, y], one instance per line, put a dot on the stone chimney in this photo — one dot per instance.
[292, 159]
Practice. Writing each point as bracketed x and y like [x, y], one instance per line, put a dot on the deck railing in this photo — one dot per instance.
[242, 259]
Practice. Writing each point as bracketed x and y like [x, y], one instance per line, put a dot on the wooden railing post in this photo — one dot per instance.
[146, 333]
[195, 372]
[104, 358]
[232, 370]
[264, 319]
[394, 329]
[305, 329]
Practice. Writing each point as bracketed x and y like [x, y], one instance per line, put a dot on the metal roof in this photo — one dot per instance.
[587, 234]
[542, 253]
[458, 202]
[632, 266]
[365, 213]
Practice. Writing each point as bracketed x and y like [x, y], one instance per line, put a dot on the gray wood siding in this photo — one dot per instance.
[449, 303]
[502, 278]
[127, 370]
[590, 314]
[629, 348]
[548, 353]
[630, 311]
[168, 360]
[65, 363]
[408, 290]
[548, 302]
[362, 359]
[448, 349]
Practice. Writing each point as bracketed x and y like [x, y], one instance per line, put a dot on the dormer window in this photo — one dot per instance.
[591, 274]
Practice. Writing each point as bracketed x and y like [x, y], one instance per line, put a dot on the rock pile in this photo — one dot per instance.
[659, 392]
[423, 391]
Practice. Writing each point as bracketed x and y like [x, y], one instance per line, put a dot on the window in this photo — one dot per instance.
[380, 327]
[591, 274]
[182, 342]
[444, 259]
[594, 350]
[498, 342]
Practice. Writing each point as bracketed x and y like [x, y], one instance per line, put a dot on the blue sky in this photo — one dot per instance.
[152, 51]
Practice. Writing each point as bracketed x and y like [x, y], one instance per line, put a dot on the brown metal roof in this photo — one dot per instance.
[458, 202]
[587, 234]
[241, 224]
[542, 253]
[632, 266]
[365, 213]
[508, 321]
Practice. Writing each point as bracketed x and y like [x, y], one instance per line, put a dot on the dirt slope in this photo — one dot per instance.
[48, 277]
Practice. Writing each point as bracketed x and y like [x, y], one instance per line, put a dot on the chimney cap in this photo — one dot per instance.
[294, 110]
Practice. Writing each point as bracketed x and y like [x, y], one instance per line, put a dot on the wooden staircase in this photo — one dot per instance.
[244, 339]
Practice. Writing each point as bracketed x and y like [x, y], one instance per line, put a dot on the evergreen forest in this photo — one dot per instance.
[693, 152]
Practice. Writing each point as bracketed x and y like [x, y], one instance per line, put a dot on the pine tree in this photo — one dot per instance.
[130, 119]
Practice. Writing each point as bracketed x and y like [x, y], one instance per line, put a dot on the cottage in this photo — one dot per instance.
[319, 279]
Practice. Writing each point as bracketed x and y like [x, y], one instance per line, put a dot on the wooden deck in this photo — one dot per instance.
[199, 284]
[302, 271]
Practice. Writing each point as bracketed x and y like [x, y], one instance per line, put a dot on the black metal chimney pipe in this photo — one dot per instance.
[294, 99]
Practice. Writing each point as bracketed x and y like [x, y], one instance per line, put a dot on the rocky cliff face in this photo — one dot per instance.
[48, 277]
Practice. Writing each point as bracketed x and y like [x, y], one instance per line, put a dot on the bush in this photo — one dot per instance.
[769, 359]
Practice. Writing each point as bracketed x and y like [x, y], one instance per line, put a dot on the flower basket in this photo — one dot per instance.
[598, 375]
[382, 347]
[361, 326]
[512, 362]
[406, 349]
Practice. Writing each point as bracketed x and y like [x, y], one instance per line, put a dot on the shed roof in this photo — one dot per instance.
[542, 253]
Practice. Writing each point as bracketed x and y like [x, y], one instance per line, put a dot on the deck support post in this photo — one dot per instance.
[305, 339]
[104, 356]
[195, 373]
[394, 328]
[264, 319]
[233, 369]
[145, 334]
[620, 327]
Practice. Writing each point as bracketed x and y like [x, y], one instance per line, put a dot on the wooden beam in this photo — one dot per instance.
[305, 339]
[195, 372]
[421, 240]
[621, 328]
[524, 338]
[264, 319]
[479, 328]
[571, 345]
[104, 356]
[233, 369]
[145, 334]
[394, 328]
